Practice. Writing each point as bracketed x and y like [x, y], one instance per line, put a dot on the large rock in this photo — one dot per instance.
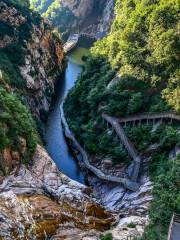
[131, 207]
[41, 201]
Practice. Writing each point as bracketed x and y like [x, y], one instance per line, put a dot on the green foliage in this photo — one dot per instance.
[21, 3]
[41, 5]
[62, 17]
[10, 71]
[15, 119]
[12, 55]
[15, 122]
[172, 92]
[131, 225]
[6, 28]
[165, 175]
[144, 43]
[108, 236]
[56, 35]
[166, 135]
[135, 69]
[88, 94]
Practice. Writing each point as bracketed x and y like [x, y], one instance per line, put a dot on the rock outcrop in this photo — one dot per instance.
[86, 16]
[92, 17]
[131, 207]
[31, 61]
[42, 54]
[40, 201]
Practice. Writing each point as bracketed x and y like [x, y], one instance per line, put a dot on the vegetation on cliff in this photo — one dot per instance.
[134, 69]
[62, 17]
[16, 123]
[12, 55]
[25, 39]
[18, 137]
[165, 175]
[70, 16]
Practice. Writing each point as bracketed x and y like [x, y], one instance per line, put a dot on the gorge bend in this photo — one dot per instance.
[55, 141]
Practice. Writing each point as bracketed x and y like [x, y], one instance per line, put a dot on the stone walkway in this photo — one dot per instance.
[128, 182]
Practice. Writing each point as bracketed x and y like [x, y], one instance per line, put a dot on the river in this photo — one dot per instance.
[55, 141]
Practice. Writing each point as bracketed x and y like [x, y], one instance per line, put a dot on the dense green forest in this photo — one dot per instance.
[135, 69]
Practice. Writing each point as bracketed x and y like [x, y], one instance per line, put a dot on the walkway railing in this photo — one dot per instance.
[133, 186]
[129, 183]
[115, 123]
[150, 116]
[127, 143]
[174, 228]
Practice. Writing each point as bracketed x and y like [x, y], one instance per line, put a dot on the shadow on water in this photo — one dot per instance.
[55, 141]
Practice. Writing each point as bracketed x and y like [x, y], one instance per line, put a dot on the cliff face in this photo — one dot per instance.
[80, 9]
[32, 39]
[31, 59]
[88, 16]
[36, 200]
[41, 201]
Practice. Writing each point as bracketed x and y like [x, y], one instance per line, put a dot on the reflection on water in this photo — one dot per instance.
[55, 141]
[76, 56]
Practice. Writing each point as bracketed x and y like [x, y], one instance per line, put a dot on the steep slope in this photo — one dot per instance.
[31, 59]
[134, 70]
[38, 58]
[36, 200]
[93, 17]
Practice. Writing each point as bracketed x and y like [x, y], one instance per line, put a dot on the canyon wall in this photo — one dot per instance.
[31, 60]
[34, 41]
[36, 200]
[86, 16]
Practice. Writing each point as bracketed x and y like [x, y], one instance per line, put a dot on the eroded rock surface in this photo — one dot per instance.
[131, 207]
[43, 54]
[92, 17]
[41, 201]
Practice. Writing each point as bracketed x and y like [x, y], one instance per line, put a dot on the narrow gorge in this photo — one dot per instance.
[89, 120]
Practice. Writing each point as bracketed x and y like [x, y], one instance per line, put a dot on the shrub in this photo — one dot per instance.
[15, 122]
[108, 236]
[131, 225]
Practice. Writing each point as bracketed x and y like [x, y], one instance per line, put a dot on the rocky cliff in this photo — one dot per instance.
[42, 202]
[33, 51]
[88, 16]
[36, 200]
[31, 60]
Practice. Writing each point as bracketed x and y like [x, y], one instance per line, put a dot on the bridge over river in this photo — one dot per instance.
[74, 39]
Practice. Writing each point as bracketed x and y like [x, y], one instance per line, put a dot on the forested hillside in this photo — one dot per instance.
[19, 79]
[135, 69]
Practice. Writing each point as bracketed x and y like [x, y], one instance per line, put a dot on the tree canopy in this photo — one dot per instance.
[134, 69]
